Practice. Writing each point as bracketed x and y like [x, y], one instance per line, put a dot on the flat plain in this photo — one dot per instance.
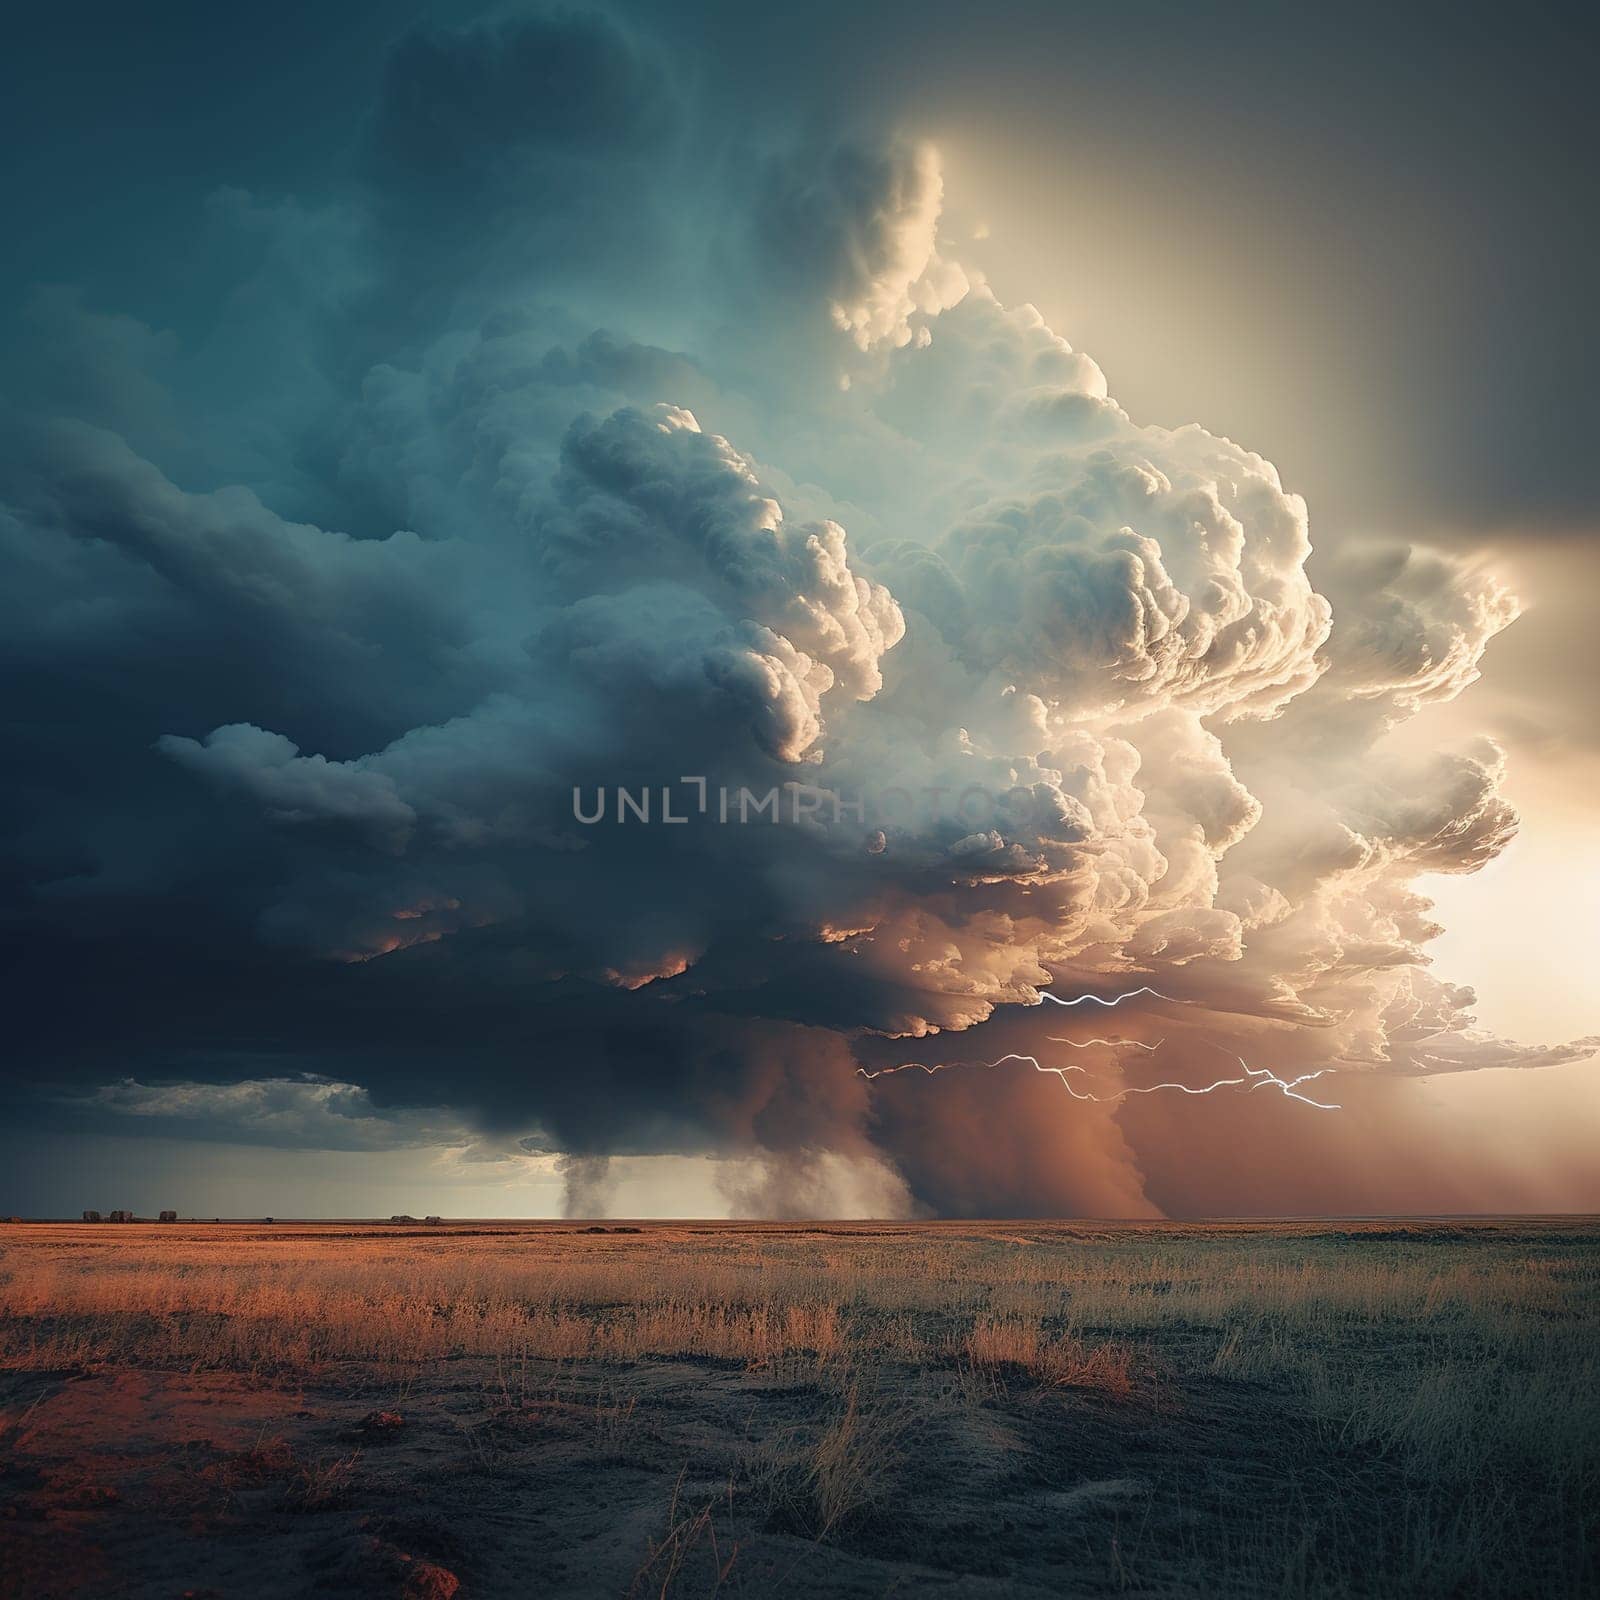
[625, 1410]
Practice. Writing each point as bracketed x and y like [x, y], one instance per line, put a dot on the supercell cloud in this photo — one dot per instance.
[574, 449]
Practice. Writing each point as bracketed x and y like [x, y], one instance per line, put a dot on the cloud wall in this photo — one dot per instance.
[562, 452]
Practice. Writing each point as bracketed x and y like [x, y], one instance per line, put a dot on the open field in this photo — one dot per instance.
[1020, 1409]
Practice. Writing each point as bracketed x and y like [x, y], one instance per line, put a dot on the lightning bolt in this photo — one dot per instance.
[1115, 1000]
[1116, 1044]
[1252, 1078]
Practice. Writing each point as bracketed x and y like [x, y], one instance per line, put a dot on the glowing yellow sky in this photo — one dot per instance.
[1160, 289]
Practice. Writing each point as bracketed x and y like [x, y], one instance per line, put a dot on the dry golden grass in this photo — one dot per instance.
[1445, 1379]
[1015, 1341]
[256, 1304]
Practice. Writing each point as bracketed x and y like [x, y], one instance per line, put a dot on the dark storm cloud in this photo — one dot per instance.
[556, 445]
[543, 149]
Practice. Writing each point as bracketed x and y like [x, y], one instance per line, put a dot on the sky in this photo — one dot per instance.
[1121, 477]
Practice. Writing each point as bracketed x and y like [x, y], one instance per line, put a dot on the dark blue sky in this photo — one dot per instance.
[1412, 184]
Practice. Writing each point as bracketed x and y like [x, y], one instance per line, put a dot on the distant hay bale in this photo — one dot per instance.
[121, 1216]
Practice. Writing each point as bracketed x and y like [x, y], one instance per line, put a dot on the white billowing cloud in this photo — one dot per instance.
[1093, 614]
[1414, 623]
[648, 495]
[894, 259]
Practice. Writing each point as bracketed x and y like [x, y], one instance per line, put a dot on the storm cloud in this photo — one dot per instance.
[567, 451]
